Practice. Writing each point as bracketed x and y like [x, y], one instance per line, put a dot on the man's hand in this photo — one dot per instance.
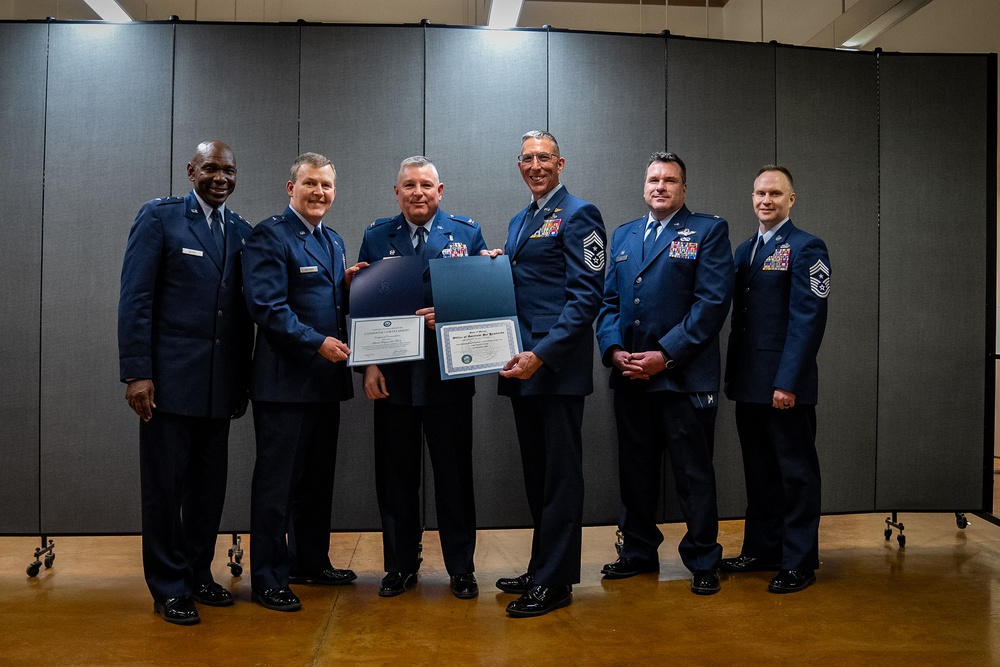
[783, 400]
[139, 394]
[428, 315]
[522, 366]
[495, 252]
[334, 350]
[352, 271]
[639, 365]
[375, 383]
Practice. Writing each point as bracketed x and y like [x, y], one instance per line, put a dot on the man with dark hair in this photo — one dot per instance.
[296, 290]
[411, 397]
[184, 344]
[779, 315]
[666, 297]
[556, 249]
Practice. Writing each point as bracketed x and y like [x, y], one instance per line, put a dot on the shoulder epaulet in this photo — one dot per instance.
[463, 219]
[705, 215]
[380, 221]
[241, 218]
[160, 201]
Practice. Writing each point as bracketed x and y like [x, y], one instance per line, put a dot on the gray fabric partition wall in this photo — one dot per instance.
[827, 134]
[22, 142]
[934, 294]
[107, 150]
[721, 121]
[106, 117]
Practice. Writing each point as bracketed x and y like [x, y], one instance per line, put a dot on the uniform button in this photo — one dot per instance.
[218, 341]
[636, 302]
[636, 323]
[638, 280]
[514, 263]
[746, 291]
[220, 313]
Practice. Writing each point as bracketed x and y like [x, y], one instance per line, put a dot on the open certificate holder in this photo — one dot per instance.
[475, 315]
[384, 297]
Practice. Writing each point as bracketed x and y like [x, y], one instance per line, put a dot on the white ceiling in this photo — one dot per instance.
[939, 25]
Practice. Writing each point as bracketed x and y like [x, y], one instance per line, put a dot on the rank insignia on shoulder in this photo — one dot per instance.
[392, 251]
[593, 251]
[819, 279]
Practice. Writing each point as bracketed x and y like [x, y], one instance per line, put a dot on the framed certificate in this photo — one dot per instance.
[475, 313]
[386, 340]
[474, 348]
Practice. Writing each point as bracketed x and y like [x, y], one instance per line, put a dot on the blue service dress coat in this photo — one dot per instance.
[296, 294]
[558, 271]
[779, 316]
[182, 321]
[675, 301]
[419, 383]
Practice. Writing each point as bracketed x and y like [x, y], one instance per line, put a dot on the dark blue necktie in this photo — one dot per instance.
[526, 224]
[324, 241]
[220, 239]
[421, 237]
[756, 249]
[650, 240]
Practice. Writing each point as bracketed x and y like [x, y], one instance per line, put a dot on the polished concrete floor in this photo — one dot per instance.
[930, 603]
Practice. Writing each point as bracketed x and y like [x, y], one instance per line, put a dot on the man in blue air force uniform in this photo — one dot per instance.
[779, 315]
[556, 249]
[666, 297]
[296, 290]
[411, 397]
[184, 342]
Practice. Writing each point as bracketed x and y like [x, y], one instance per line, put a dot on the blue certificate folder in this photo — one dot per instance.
[390, 287]
[470, 290]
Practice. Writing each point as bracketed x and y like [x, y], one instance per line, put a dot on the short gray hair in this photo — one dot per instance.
[540, 134]
[313, 160]
[417, 161]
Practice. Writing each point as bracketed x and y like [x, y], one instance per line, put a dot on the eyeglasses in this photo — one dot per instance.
[543, 158]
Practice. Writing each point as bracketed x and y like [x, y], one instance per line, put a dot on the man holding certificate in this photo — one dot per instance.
[556, 250]
[410, 397]
[295, 280]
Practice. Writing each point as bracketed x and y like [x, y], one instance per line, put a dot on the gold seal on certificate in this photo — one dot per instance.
[386, 340]
[473, 348]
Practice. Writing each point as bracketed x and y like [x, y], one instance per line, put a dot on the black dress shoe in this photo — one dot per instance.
[464, 586]
[180, 611]
[540, 600]
[278, 599]
[704, 582]
[397, 583]
[746, 564]
[213, 595]
[623, 568]
[792, 581]
[517, 585]
[330, 577]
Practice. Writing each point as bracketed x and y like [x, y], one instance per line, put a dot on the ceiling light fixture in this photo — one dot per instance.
[504, 13]
[109, 11]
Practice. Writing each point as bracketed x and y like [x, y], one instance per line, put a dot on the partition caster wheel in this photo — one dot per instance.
[51, 558]
[236, 570]
[32, 570]
[888, 534]
[961, 521]
[902, 540]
